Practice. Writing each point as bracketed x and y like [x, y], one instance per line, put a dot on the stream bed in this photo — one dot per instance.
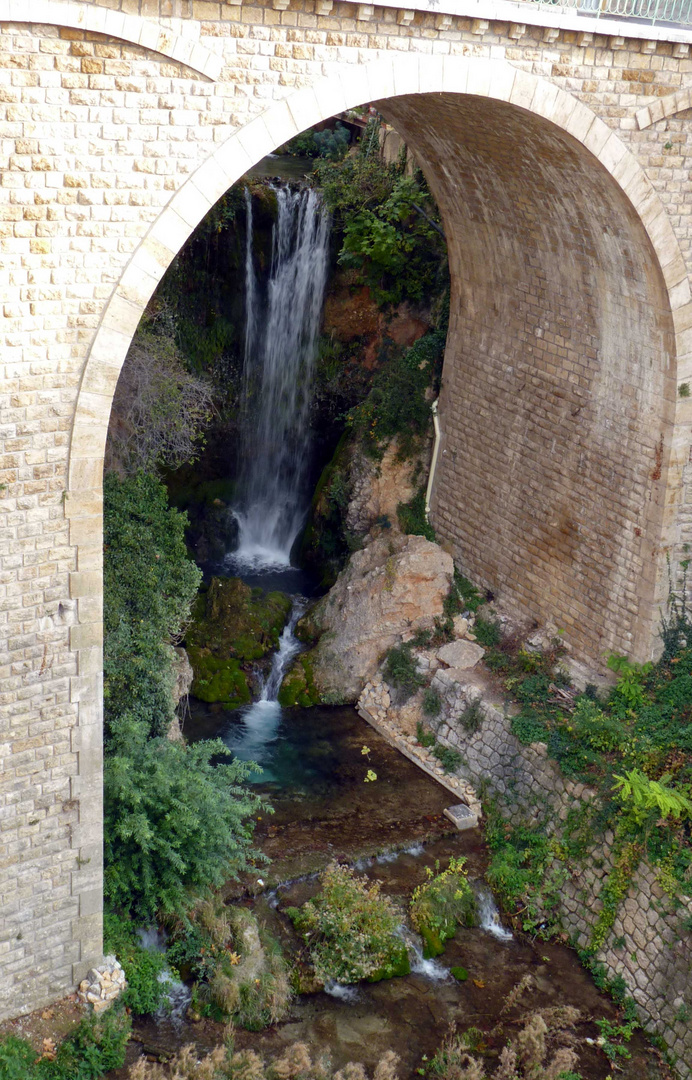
[391, 829]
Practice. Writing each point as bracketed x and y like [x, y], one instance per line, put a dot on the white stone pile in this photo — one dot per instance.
[103, 985]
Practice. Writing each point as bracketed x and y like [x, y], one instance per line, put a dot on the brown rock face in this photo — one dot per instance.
[379, 486]
[393, 585]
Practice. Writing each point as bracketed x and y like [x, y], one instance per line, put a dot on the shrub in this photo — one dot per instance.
[442, 903]
[397, 406]
[401, 672]
[425, 738]
[350, 928]
[471, 717]
[449, 759]
[412, 519]
[487, 632]
[432, 703]
[95, 1046]
[175, 823]
[149, 584]
[145, 992]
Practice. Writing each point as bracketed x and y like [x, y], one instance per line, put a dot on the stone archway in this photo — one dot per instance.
[493, 92]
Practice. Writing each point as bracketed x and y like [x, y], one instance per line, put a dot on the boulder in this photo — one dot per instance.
[460, 654]
[395, 584]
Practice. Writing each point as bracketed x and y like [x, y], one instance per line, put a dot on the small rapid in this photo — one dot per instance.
[488, 914]
[252, 739]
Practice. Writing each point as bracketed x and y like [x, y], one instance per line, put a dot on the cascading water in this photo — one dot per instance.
[259, 729]
[280, 345]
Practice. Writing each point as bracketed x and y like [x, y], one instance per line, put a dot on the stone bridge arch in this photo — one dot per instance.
[593, 550]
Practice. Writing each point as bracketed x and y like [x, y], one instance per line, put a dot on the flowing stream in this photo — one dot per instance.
[282, 323]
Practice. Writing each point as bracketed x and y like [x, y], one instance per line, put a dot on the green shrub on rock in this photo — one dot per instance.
[350, 929]
[441, 904]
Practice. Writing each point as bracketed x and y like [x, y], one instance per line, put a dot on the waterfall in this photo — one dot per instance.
[488, 915]
[280, 343]
[252, 741]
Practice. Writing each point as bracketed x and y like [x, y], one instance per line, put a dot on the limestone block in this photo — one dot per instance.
[460, 655]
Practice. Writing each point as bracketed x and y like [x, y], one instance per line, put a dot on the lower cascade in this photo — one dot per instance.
[280, 344]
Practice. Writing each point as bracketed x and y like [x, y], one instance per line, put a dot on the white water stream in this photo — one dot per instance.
[280, 344]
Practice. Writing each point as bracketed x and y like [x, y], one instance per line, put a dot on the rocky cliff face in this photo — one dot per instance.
[393, 586]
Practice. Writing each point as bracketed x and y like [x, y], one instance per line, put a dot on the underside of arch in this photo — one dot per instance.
[559, 380]
[558, 388]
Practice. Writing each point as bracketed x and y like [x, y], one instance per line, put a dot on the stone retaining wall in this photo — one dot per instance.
[647, 945]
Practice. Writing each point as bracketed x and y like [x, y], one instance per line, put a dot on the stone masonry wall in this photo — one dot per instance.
[654, 952]
[120, 124]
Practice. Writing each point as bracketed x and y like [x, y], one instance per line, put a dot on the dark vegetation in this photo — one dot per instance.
[96, 1045]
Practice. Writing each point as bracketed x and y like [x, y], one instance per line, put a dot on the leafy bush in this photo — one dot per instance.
[401, 672]
[412, 519]
[471, 717]
[175, 823]
[432, 703]
[462, 596]
[449, 759]
[350, 928]
[487, 632]
[95, 1046]
[441, 904]
[425, 738]
[145, 992]
[149, 584]
[397, 404]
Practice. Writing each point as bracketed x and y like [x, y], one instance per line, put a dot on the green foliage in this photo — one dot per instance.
[432, 703]
[148, 584]
[145, 992]
[397, 405]
[449, 759]
[462, 596]
[425, 738]
[401, 672]
[412, 519]
[360, 182]
[441, 904]
[521, 871]
[350, 928]
[397, 245]
[96, 1046]
[459, 973]
[612, 1039]
[684, 390]
[332, 143]
[175, 823]
[629, 691]
[218, 679]
[614, 892]
[642, 798]
[487, 632]
[471, 717]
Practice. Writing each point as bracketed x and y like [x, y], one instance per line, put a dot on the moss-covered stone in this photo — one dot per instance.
[459, 973]
[432, 943]
[396, 966]
[232, 626]
[299, 687]
[217, 679]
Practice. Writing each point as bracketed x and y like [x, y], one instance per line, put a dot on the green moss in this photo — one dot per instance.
[432, 943]
[397, 966]
[232, 625]
[299, 687]
[218, 679]
[459, 973]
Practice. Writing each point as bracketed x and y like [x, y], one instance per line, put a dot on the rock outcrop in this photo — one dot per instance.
[393, 586]
[377, 488]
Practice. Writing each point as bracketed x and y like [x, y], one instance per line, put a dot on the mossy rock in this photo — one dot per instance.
[218, 679]
[433, 944]
[298, 687]
[459, 973]
[396, 966]
[235, 622]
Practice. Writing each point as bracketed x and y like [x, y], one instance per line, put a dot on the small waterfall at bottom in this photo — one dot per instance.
[488, 915]
[177, 996]
[261, 719]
